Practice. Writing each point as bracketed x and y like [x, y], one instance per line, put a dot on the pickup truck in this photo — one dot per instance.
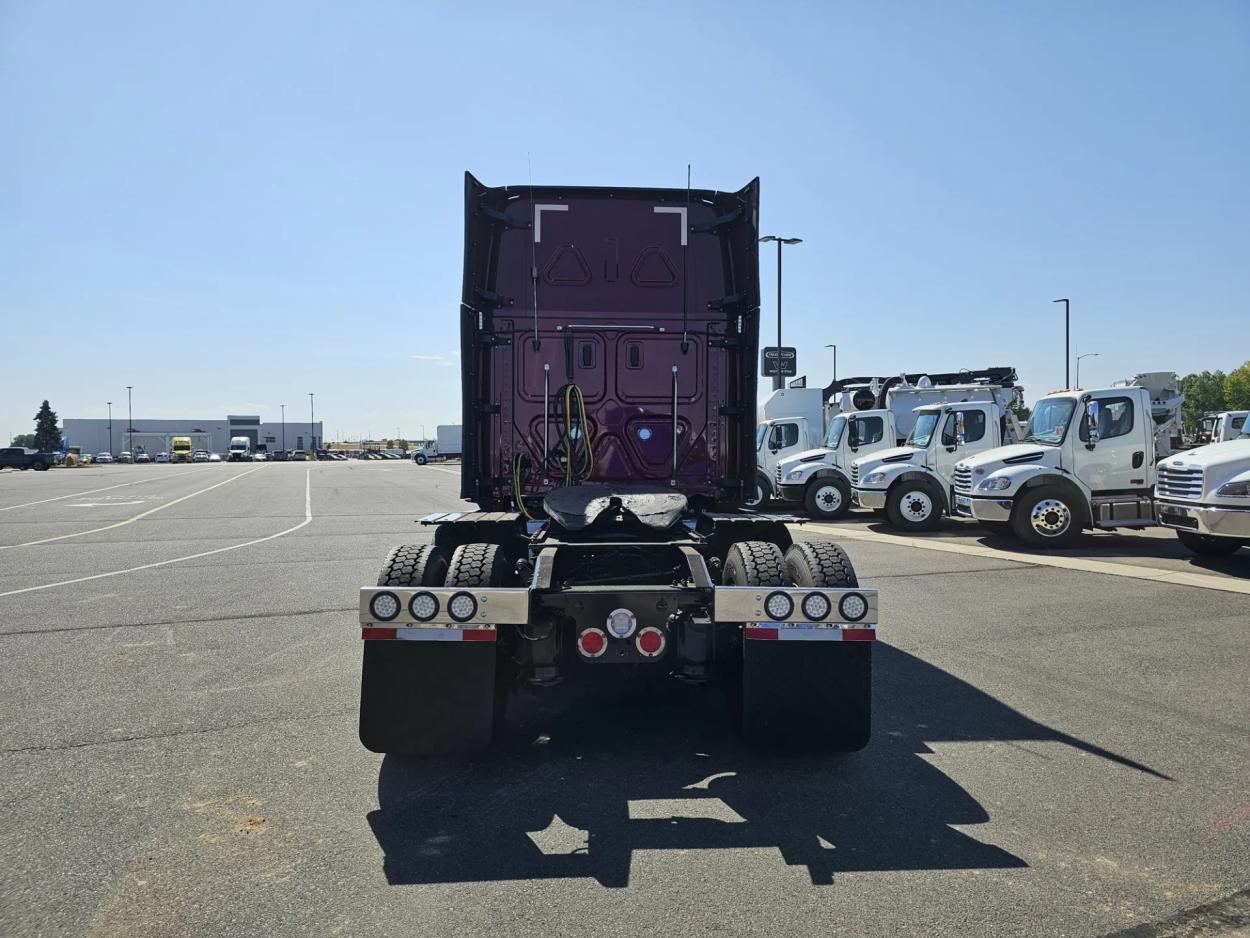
[20, 457]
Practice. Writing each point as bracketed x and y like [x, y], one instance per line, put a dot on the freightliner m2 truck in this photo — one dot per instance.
[1088, 462]
[608, 344]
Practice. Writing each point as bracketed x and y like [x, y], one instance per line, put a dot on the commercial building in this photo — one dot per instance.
[91, 435]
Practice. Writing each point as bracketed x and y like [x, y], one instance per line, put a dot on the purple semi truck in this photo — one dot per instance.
[608, 346]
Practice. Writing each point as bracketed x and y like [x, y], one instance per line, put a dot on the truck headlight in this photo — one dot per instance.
[874, 478]
[994, 485]
[1234, 489]
[794, 475]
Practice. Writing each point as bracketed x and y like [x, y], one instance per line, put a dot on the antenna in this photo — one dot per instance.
[685, 288]
[533, 249]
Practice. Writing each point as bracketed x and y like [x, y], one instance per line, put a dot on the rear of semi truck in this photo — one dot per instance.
[608, 342]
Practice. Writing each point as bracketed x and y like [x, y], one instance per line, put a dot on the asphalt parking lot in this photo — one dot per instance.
[1059, 748]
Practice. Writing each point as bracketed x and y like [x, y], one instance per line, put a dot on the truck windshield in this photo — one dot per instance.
[834, 436]
[922, 432]
[1050, 420]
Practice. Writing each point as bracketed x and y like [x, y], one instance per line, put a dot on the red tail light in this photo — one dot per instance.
[592, 642]
[650, 642]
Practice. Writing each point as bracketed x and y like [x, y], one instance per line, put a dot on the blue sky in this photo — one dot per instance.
[228, 205]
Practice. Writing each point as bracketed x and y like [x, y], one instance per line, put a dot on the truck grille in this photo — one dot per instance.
[854, 474]
[1179, 483]
[963, 479]
[777, 478]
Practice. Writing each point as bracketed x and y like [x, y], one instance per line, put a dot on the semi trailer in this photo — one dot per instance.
[1089, 462]
[608, 346]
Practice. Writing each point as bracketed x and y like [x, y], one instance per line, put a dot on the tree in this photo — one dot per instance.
[1022, 413]
[47, 434]
[1237, 388]
[24, 439]
[1203, 393]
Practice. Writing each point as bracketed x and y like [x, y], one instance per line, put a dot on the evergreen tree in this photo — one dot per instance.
[47, 434]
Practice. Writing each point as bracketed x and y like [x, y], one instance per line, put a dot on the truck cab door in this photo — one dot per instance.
[865, 434]
[964, 433]
[783, 441]
[1119, 456]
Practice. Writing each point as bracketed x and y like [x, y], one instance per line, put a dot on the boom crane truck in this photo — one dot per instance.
[608, 345]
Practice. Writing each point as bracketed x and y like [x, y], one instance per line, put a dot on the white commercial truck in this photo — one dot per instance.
[1088, 462]
[240, 449]
[1222, 426]
[914, 483]
[874, 417]
[447, 445]
[1204, 494]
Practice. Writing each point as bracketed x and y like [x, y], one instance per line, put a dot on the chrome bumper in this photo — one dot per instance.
[1205, 519]
[869, 498]
[983, 509]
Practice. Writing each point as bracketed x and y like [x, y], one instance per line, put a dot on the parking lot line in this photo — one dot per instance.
[106, 488]
[1086, 565]
[143, 514]
[308, 516]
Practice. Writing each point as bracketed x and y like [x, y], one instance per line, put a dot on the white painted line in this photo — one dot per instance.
[1083, 564]
[538, 218]
[102, 504]
[106, 488]
[666, 210]
[164, 563]
[142, 514]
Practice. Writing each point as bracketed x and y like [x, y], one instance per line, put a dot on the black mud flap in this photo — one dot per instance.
[427, 698]
[812, 696]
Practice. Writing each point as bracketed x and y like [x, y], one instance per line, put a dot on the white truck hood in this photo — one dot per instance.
[808, 455]
[886, 456]
[1012, 453]
[1231, 454]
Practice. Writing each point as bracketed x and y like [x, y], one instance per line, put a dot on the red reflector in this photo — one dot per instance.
[650, 641]
[592, 642]
[478, 635]
[859, 635]
[761, 633]
[377, 633]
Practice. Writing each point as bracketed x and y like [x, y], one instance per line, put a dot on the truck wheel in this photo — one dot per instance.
[754, 563]
[425, 698]
[1207, 545]
[913, 506]
[757, 496]
[1045, 517]
[828, 499]
[421, 460]
[41, 467]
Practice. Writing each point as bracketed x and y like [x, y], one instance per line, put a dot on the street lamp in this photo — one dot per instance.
[778, 380]
[1067, 354]
[130, 425]
[835, 361]
[312, 423]
[283, 406]
[110, 403]
[1078, 365]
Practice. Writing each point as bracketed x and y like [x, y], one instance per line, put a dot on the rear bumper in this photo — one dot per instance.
[1201, 519]
[869, 498]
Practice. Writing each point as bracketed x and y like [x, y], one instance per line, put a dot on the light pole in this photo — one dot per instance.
[1078, 365]
[110, 403]
[835, 362]
[1067, 354]
[778, 380]
[283, 406]
[312, 423]
[130, 425]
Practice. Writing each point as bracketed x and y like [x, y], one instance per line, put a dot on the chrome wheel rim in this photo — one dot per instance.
[916, 506]
[1050, 517]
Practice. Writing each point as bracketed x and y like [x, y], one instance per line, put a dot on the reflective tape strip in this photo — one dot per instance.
[429, 635]
[772, 633]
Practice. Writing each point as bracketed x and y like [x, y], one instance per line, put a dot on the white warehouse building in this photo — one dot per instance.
[91, 435]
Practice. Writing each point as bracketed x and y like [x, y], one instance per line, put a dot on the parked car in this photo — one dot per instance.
[214, 457]
[102, 458]
[142, 457]
[21, 457]
[161, 457]
[297, 454]
[124, 456]
[260, 457]
[280, 455]
[200, 455]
